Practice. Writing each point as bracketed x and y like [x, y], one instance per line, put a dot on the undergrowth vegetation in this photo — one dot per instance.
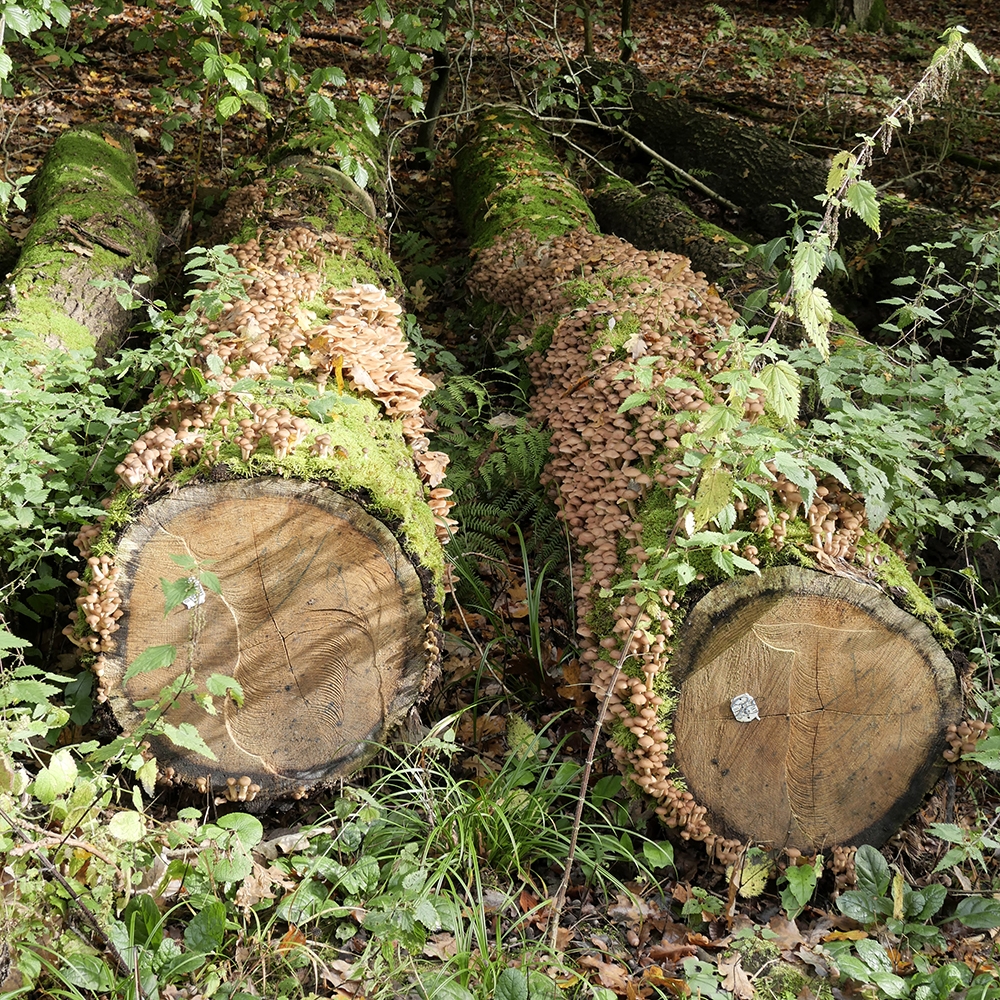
[432, 874]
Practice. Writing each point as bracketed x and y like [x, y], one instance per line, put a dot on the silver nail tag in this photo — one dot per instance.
[744, 708]
[197, 597]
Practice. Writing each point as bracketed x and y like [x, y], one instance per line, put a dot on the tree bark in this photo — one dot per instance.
[90, 224]
[292, 502]
[597, 312]
[866, 15]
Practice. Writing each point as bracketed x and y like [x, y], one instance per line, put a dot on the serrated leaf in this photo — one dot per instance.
[862, 199]
[973, 53]
[187, 737]
[715, 490]
[814, 312]
[27, 691]
[783, 387]
[224, 686]
[807, 262]
[127, 826]
[632, 400]
[840, 168]
[10, 641]
[56, 778]
[150, 659]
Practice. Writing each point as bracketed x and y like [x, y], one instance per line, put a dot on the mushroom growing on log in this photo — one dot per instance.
[624, 350]
[276, 540]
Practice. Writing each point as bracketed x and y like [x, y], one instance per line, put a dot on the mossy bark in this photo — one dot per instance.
[90, 225]
[293, 501]
[623, 477]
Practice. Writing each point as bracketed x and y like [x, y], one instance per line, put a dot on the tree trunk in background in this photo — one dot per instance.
[802, 671]
[866, 15]
[290, 500]
[90, 224]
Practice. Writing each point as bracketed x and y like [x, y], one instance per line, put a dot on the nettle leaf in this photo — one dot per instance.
[187, 737]
[150, 659]
[862, 199]
[784, 393]
[715, 491]
[840, 169]
[807, 262]
[814, 312]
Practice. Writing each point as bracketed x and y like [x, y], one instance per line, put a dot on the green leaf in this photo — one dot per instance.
[658, 855]
[11, 641]
[512, 984]
[146, 774]
[801, 881]
[56, 778]
[862, 199]
[222, 687]
[872, 871]
[797, 473]
[857, 905]
[128, 826]
[187, 737]
[974, 54]
[206, 931]
[632, 400]
[783, 387]
[715, 491]
[978, 912]
[150, 659]
[26, 691]
[841, 168]
[143, 921]
[186, 562]
[248, 829]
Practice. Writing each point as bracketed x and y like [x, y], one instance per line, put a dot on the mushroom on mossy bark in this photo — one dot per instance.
[634, 345]
[293, 502]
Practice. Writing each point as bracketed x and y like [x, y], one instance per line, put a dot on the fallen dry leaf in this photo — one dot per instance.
[735, 979]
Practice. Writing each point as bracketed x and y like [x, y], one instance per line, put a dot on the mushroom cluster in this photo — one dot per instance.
[638, 326]
[610, 304]
[289, 322]
[359, 336]
[963, 737]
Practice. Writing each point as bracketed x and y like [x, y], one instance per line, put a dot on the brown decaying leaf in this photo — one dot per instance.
[735, 979]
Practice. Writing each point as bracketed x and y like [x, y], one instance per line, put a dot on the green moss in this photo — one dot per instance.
[508, 165]
[42, 318]
[542, 337]
[774, 979]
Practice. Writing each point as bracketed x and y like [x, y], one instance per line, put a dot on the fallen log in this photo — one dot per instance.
[765, 176]
[90, 225]
[262, 602]
[700, 672]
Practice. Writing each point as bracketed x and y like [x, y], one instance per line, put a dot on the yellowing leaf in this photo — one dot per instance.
[715, 491]
[782, 386]
[840, 168]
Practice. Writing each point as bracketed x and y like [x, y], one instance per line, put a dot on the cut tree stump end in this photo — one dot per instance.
[322, 619]
[853, 696]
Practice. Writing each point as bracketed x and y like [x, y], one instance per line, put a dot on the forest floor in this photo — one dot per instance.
[760, 62]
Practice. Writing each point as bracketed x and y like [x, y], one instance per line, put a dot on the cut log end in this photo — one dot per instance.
[853, 696]
[322, 620]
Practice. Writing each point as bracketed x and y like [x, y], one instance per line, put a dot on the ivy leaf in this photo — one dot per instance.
[862, 199]
[783, 387]
[187, 737]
